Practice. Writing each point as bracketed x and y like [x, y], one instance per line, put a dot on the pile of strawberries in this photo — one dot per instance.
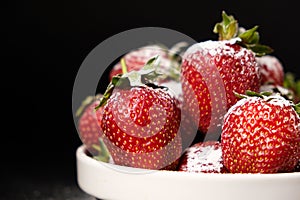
[221, 106]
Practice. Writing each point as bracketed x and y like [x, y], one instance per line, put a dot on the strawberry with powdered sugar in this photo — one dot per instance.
[261, 134]
[271, 70]
[212, 70]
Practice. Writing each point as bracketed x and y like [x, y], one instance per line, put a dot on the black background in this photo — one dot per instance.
[44, 43]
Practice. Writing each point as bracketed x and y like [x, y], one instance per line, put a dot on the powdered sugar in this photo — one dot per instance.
[278, 100]
[212, 47]
[271, 69]
[204, 157]
[207, 156]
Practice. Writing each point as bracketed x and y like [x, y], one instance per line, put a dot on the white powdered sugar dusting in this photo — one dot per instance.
[270, 65]
[278, 100]
[210, 159]
[270, 61]
[240, 103]
[212, 47]
[275, 100]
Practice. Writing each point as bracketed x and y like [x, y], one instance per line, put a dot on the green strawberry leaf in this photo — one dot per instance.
[240, 96]
[108, 92]
[147, 74]
[96, 147]
[131, 79]
[250, 40]
[259, 49]
[250, 93]
[250, 36]
[228, 29]
[297, 108]
[103, 154]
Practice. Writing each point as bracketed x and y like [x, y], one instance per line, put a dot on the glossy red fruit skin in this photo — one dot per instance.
[211, 71]
[88, 127]
[261, 135]
[271, 69]
[203, 157]
[141, 127]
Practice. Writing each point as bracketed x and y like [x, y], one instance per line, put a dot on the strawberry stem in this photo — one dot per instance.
[228, 28]
[108, 92]
[123, 65]
[238, 95]
[255, 94]
[131, 79]
[103, 148]
[250, 93]
[96, 147]
[103, 155]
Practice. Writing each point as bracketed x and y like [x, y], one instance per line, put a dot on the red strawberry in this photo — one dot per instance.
[136, 59]
[271, 70]
[205, 157]
[261, 134]
[173, 166]
[88, 126]
[169, 64]
[188, 130]
[141, 122]
[212, 70]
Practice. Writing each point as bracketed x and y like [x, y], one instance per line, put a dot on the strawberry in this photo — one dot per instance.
[212, 70]
[188, 129]
[141, 121]
[136, 59]
[261, 134]
[271, 70]
[169, 64]
[88, 127]
[205, 157]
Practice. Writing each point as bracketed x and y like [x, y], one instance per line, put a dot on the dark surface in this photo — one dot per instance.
[43, 46]
[37, 190]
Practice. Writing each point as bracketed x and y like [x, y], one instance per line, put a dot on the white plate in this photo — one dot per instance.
[107, 181]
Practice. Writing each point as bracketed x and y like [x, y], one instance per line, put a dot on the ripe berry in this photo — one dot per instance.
[261, 134]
